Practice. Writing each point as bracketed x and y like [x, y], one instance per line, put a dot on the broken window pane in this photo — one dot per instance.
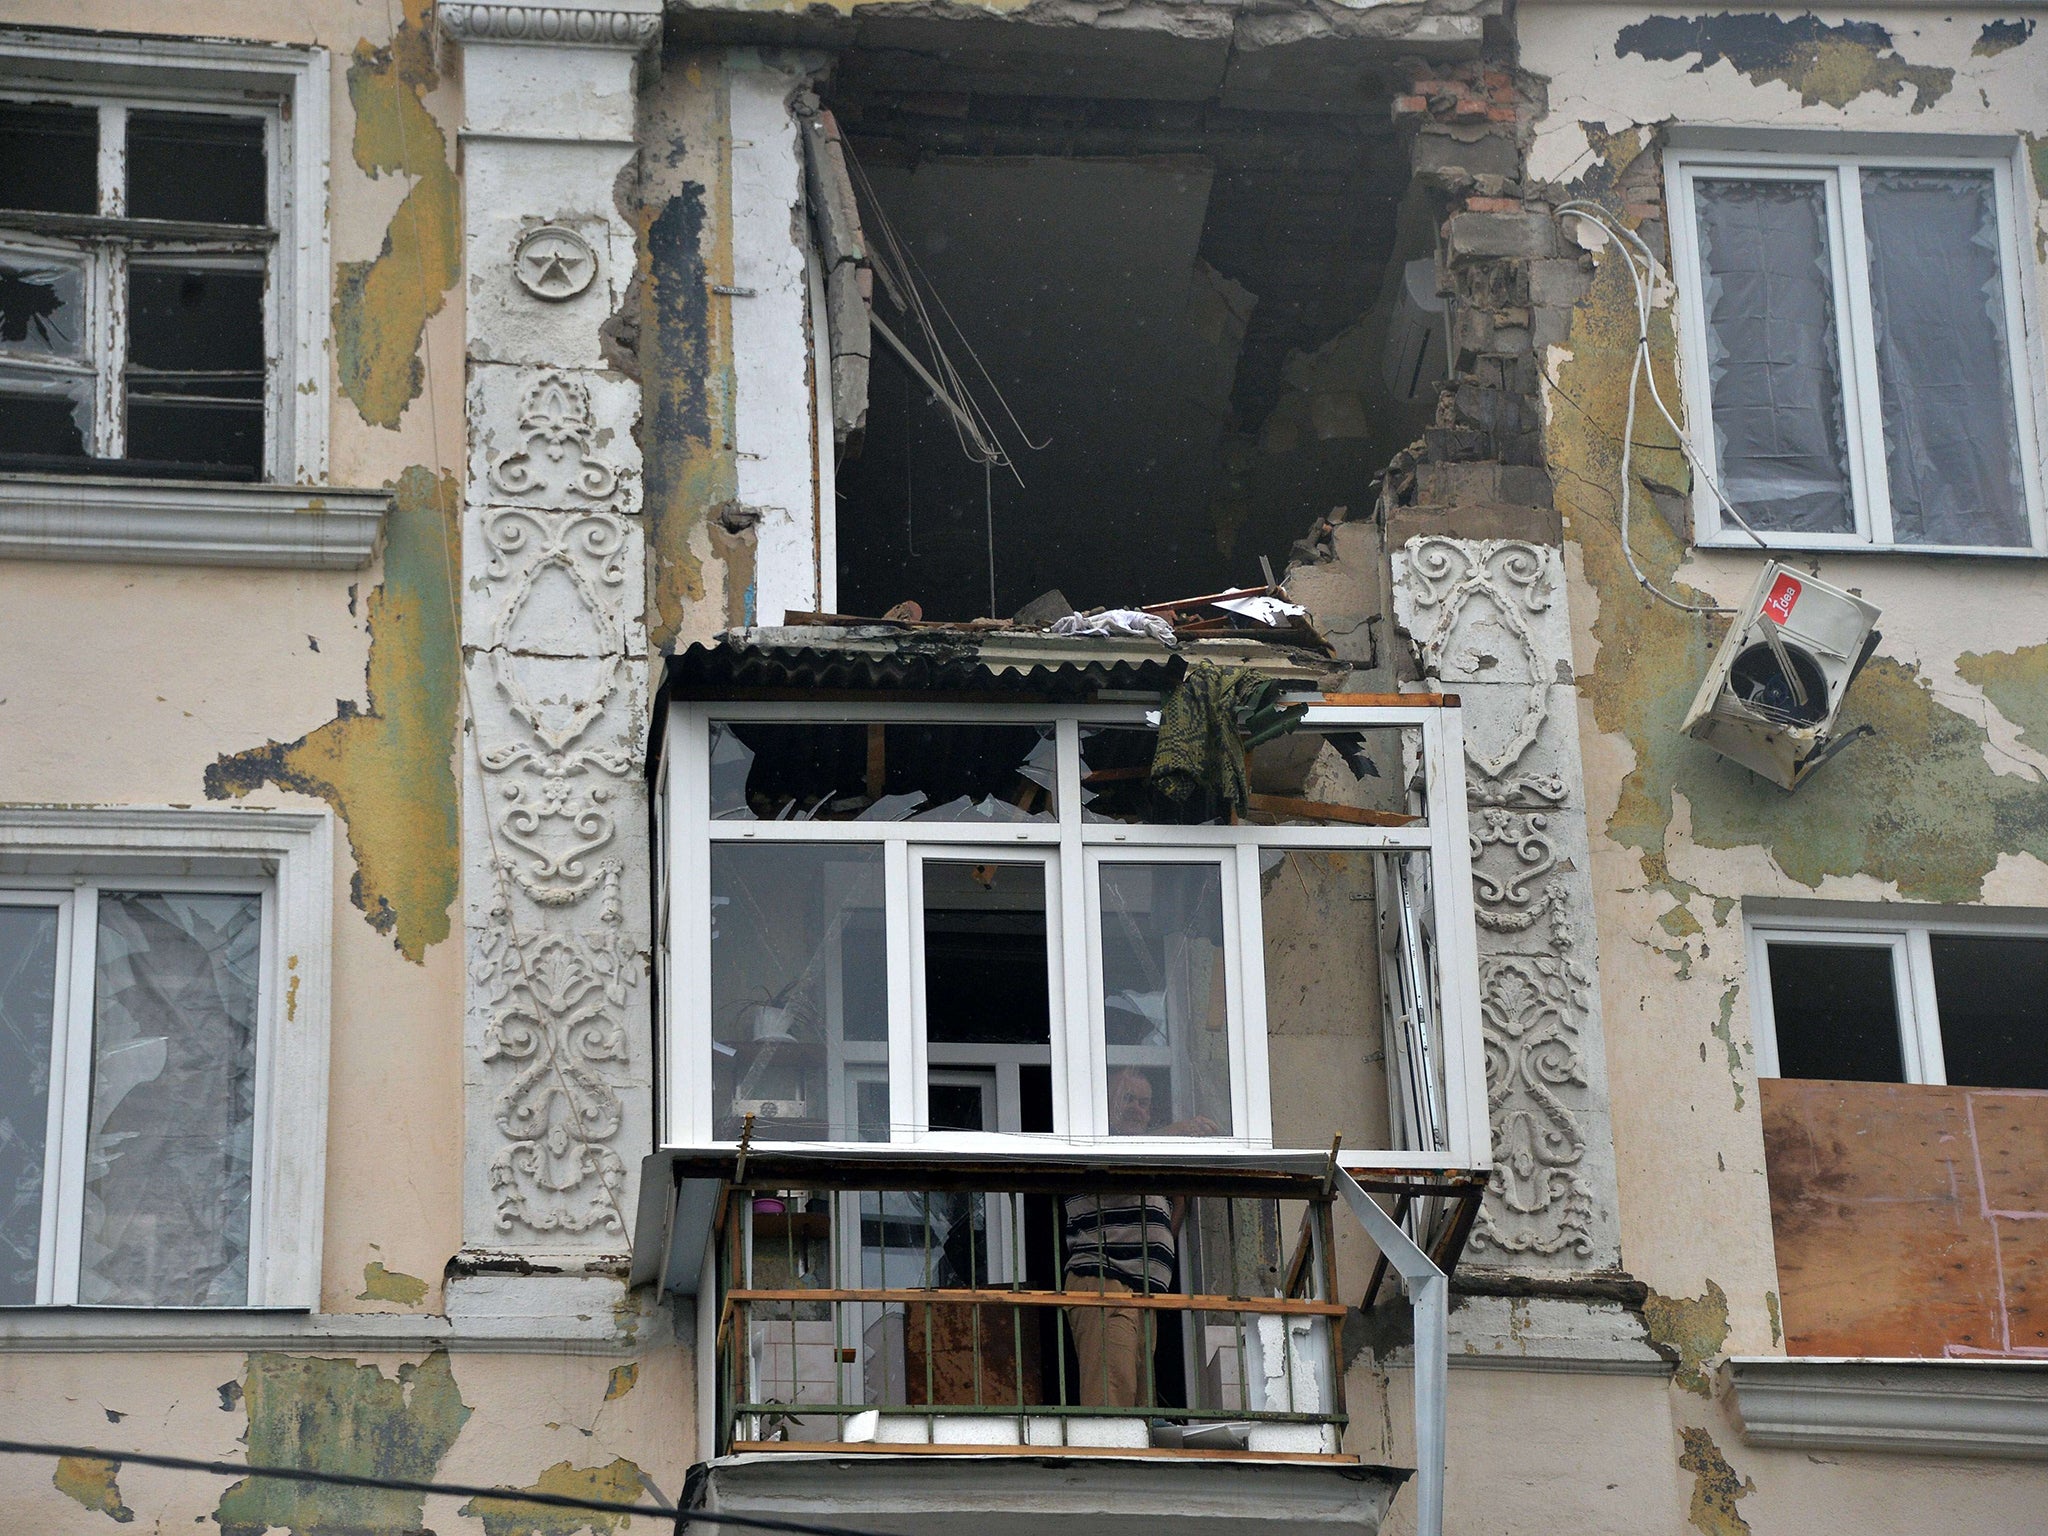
[784, 772]
[45, 419]
[42, 304]
[1324, 1040]
[196, 374]
[1355, 775]
[1165, 999]
[1836, 1011]
[1773, 358]
[49, 158]
[1992, 994]
[28, 992]
[799, 991]
[1937, 300]
[196, 168]
[170, 1137]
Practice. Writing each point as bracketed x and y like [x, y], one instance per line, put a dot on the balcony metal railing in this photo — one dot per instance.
[980, 1318]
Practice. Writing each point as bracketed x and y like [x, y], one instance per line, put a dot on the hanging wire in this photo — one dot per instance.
[905, 281]
[1629, 246]
[682, 1517]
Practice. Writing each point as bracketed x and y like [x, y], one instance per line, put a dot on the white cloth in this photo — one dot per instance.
[1117, 621]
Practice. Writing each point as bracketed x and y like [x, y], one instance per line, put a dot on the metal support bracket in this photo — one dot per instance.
[1429, 1295]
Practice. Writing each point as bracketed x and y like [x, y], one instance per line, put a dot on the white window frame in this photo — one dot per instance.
[288, 87]
[64, 857]
[1907, 938]
[1075, 849]
[1838, 169]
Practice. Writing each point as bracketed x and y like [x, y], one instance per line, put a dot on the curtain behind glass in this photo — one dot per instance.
[1773, 361]
[1951, 433]
[28, 994]
[170, 1139]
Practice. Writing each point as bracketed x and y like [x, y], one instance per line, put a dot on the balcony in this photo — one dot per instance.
[1015, 1316]
[951, 981]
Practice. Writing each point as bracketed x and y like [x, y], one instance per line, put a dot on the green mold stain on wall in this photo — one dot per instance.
[618, 1483]
[1691, 1330]
[1823, 63]
[388, 769]
[1715, 1487]
[1917, 804]
[381, 306]
[381, 1284]
[338, 1416]
[2017, 683]
[90, 1480]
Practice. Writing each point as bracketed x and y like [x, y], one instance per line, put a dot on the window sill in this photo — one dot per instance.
[1913, 1407]
[173, 522]
[235, 1330]
[1835, 544]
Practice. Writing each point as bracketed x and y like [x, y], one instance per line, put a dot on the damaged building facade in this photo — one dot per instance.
[1193, 765]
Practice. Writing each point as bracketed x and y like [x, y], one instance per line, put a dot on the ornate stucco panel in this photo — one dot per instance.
[1487, 620]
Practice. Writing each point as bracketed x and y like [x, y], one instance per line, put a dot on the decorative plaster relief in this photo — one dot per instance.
[555, 966]
[476, 23]
[1480, 611]
[556, 457]
[554, 263]
[1486, 622]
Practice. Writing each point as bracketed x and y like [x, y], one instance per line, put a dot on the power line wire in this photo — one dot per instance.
[682, 1517]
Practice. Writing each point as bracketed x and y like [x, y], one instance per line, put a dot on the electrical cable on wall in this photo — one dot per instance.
[1630, 245]
[683, 1518]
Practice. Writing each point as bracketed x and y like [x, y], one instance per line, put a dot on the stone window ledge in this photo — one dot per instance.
[1915, 1407]
[177, 522]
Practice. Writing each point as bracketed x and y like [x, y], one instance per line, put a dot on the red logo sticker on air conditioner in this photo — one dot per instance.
[1784, 593]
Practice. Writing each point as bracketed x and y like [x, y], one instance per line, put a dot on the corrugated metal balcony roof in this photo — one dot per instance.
[888, 658]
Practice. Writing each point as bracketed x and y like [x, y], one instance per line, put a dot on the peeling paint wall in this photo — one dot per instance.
[160, 685]
[539, 1422]
[1946, 803]
[386, 766]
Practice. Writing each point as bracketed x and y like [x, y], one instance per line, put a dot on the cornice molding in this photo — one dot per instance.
[480, 21]
[1912, 1407]
[170, 522]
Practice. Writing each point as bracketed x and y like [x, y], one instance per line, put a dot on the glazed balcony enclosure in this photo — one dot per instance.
[1010, 1093]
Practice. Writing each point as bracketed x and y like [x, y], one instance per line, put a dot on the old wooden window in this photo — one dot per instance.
[162, 1022]
[888, 923]
[1862, 999]
[1853, 338]
[139, 329]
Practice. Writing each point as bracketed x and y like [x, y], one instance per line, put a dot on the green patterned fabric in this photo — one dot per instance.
[1198, 764]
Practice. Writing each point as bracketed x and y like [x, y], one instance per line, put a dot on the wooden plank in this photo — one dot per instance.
[1163, 1301]
[1391, 700]
[1908, 1218]
[1322, 810]
[1144, 1453]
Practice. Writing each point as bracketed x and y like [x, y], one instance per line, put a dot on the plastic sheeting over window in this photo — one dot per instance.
[170, 1142]
[1937, 303]
[28, 992]
[1774, 358]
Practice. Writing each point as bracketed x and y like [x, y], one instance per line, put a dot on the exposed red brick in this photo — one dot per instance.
[1493, 204]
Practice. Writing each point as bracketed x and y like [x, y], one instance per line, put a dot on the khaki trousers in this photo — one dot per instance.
[1110, 1344]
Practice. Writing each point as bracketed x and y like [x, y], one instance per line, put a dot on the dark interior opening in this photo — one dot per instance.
[1194, 309]
[1836, 1011]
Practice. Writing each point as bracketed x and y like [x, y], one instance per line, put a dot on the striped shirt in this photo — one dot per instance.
[1121, 1237]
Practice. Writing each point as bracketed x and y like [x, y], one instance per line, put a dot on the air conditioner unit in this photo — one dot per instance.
[1771, 697]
